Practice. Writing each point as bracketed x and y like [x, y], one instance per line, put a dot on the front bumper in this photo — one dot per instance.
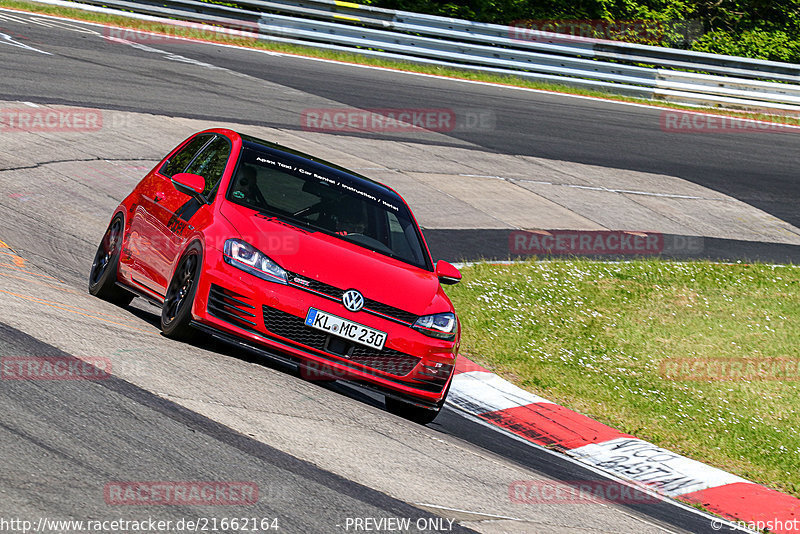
[411, 365]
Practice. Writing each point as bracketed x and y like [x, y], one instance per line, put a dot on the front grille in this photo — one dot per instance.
[232, 307]
[336, 294]
[391, 311]
[321, 287]
[292, 327]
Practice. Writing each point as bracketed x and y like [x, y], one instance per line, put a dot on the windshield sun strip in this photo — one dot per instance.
[289, 218]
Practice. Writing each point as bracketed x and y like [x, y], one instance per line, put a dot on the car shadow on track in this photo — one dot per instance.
[151, 314]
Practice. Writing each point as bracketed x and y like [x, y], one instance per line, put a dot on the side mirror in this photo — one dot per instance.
[446, 273]
[189, 184]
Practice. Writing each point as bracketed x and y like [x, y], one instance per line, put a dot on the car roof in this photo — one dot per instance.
[324, 167]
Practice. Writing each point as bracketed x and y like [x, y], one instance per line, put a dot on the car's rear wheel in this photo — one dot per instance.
[103, 276]
[176, 314]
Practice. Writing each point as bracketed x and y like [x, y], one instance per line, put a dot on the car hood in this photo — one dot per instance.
[336, 262]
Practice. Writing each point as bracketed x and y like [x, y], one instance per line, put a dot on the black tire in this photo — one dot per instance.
[103, 276]
[409, 411]
[176, 314]
[414, 413]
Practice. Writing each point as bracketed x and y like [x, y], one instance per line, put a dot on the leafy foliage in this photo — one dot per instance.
[764, 29]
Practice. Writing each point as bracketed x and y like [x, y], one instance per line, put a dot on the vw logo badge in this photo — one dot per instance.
[353, 300]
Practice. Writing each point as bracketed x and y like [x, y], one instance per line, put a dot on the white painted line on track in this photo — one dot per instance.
[8, 40]
[13, 19]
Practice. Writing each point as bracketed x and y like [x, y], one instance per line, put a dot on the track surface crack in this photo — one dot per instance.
[73, 160]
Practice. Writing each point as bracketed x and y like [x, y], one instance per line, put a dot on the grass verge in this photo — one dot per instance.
[594, 337]
[205, 35]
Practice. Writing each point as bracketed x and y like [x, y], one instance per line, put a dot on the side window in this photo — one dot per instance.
[404, 239]
[398, 236]
[179, 161]
[210, 164]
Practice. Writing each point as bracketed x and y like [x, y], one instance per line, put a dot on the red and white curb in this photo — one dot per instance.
[485, 395]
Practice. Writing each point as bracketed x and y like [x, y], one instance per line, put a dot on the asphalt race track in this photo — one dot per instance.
[118, 432]
[320, 456]
[758, 168]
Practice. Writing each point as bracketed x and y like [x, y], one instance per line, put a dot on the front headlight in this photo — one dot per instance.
[247, 258]
[439, 325]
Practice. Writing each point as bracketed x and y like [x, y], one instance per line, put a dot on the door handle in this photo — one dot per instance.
[158, 197]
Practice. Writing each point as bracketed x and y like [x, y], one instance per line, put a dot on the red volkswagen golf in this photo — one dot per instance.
[294, 256]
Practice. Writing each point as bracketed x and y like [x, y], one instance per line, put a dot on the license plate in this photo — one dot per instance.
[346, 329]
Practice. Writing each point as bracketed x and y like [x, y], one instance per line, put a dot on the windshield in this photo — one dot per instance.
[327, 202]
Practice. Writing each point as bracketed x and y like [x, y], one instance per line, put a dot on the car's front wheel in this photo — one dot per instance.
[176, 314]
[103, 276]
[409, 411]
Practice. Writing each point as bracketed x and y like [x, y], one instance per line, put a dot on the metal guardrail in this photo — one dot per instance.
[549, 42]
[716, 80]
